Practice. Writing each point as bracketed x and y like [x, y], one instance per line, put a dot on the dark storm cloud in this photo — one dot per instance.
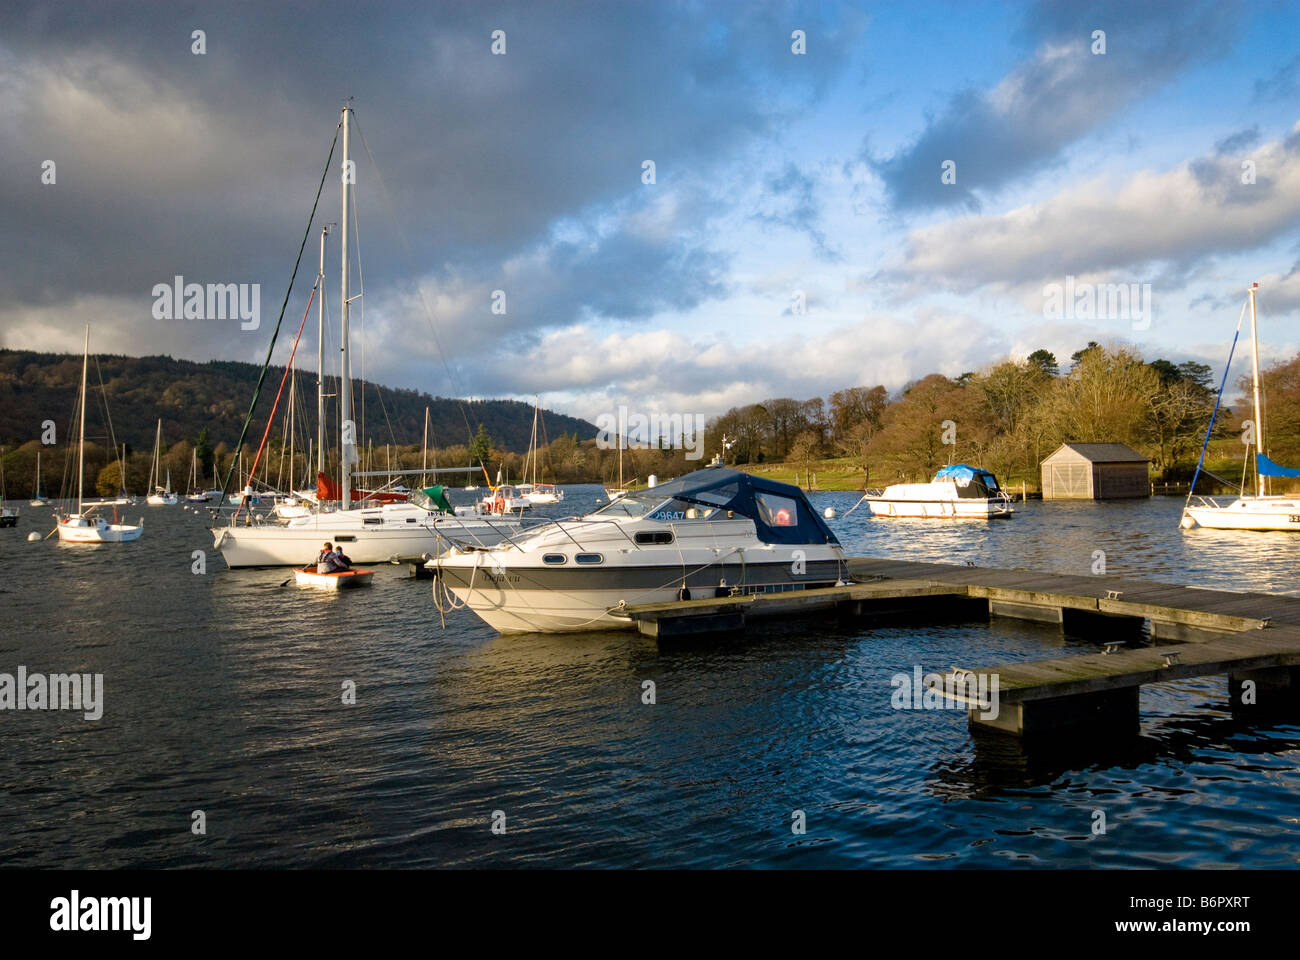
[205, 166]
[1058, 95]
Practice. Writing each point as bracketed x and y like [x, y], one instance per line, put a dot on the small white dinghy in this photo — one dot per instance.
[339, 580]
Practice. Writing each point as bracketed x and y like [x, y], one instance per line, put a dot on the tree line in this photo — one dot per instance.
[1006, 417]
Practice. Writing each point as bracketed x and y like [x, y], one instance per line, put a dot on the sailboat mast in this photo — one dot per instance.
[81, 444]
[424, 456]
[345, 389]
[1260, 485]
[157, 443]
[320, 359]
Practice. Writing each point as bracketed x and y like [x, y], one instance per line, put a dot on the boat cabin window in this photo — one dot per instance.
[672, 511]
[654, 537]
[588, 558]
[979, 487]
[776, 510]
[553, 558]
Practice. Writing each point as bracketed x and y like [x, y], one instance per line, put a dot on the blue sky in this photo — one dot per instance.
[775, 173]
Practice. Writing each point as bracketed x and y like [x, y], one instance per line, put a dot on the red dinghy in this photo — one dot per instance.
[338, 580]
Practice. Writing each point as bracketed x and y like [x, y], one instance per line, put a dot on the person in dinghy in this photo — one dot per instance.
[331, 561]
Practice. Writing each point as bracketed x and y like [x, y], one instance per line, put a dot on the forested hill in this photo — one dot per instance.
[189, 396]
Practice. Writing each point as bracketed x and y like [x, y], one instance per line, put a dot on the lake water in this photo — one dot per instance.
[223, 694]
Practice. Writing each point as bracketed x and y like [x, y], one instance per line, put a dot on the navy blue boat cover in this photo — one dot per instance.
[781, 512]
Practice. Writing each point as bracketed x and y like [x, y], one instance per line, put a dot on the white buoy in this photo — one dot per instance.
[33, 537]
[652, 481]
[829, 513]
[1187, 522]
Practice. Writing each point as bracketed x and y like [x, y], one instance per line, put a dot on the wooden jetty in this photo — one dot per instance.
[1252, 637]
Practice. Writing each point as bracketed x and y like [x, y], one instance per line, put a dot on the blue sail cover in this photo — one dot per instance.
[781, 512]
[1267, 468]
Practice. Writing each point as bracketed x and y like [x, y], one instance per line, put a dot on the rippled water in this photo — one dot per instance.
[223, 694]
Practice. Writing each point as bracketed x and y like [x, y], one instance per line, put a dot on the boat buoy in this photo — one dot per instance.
[829, 513]
[1187, 522]
[33, 537]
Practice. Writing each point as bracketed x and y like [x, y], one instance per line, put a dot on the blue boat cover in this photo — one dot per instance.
[1267, 468]
[960, 472]
[781, 512]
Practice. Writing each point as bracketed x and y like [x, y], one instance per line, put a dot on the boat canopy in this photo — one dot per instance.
[781, 512]
[964, 475]
[1267, 468]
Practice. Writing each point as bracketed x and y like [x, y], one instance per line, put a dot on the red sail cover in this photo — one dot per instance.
[327, 489]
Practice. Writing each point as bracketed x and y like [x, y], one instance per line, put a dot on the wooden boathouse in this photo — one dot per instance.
[1095, 471]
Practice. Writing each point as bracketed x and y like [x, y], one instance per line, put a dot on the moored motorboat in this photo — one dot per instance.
[712, 531]
[505, 498]
[957, 492]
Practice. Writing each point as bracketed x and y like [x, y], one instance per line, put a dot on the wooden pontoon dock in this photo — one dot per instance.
[1252, 637]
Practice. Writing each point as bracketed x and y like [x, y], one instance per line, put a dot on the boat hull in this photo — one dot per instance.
[77, 530]
[941, 509]
[342, 580]
[270, 545]
[517, 599]
[1259, 517]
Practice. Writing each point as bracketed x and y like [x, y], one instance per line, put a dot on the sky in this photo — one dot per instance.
[842, 194]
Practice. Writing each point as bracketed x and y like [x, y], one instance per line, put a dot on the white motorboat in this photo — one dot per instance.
[1262, 511]
[957, 492]
[712, 531]
[81, 527]
[505, 498]
[541, 493]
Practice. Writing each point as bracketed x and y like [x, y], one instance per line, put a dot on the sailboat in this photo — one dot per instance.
[193, 494]
[159, 497]
[615, 493]
[8, 518]
[533, 491]
[82, 527]
[38, 500]
[1262, 511]
[421, 527]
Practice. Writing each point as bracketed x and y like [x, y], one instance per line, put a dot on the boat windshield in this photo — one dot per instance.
[657, 508]
[629, 505]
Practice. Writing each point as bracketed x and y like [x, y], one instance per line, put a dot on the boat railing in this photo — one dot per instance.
[1208, 503]
[535, 526]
